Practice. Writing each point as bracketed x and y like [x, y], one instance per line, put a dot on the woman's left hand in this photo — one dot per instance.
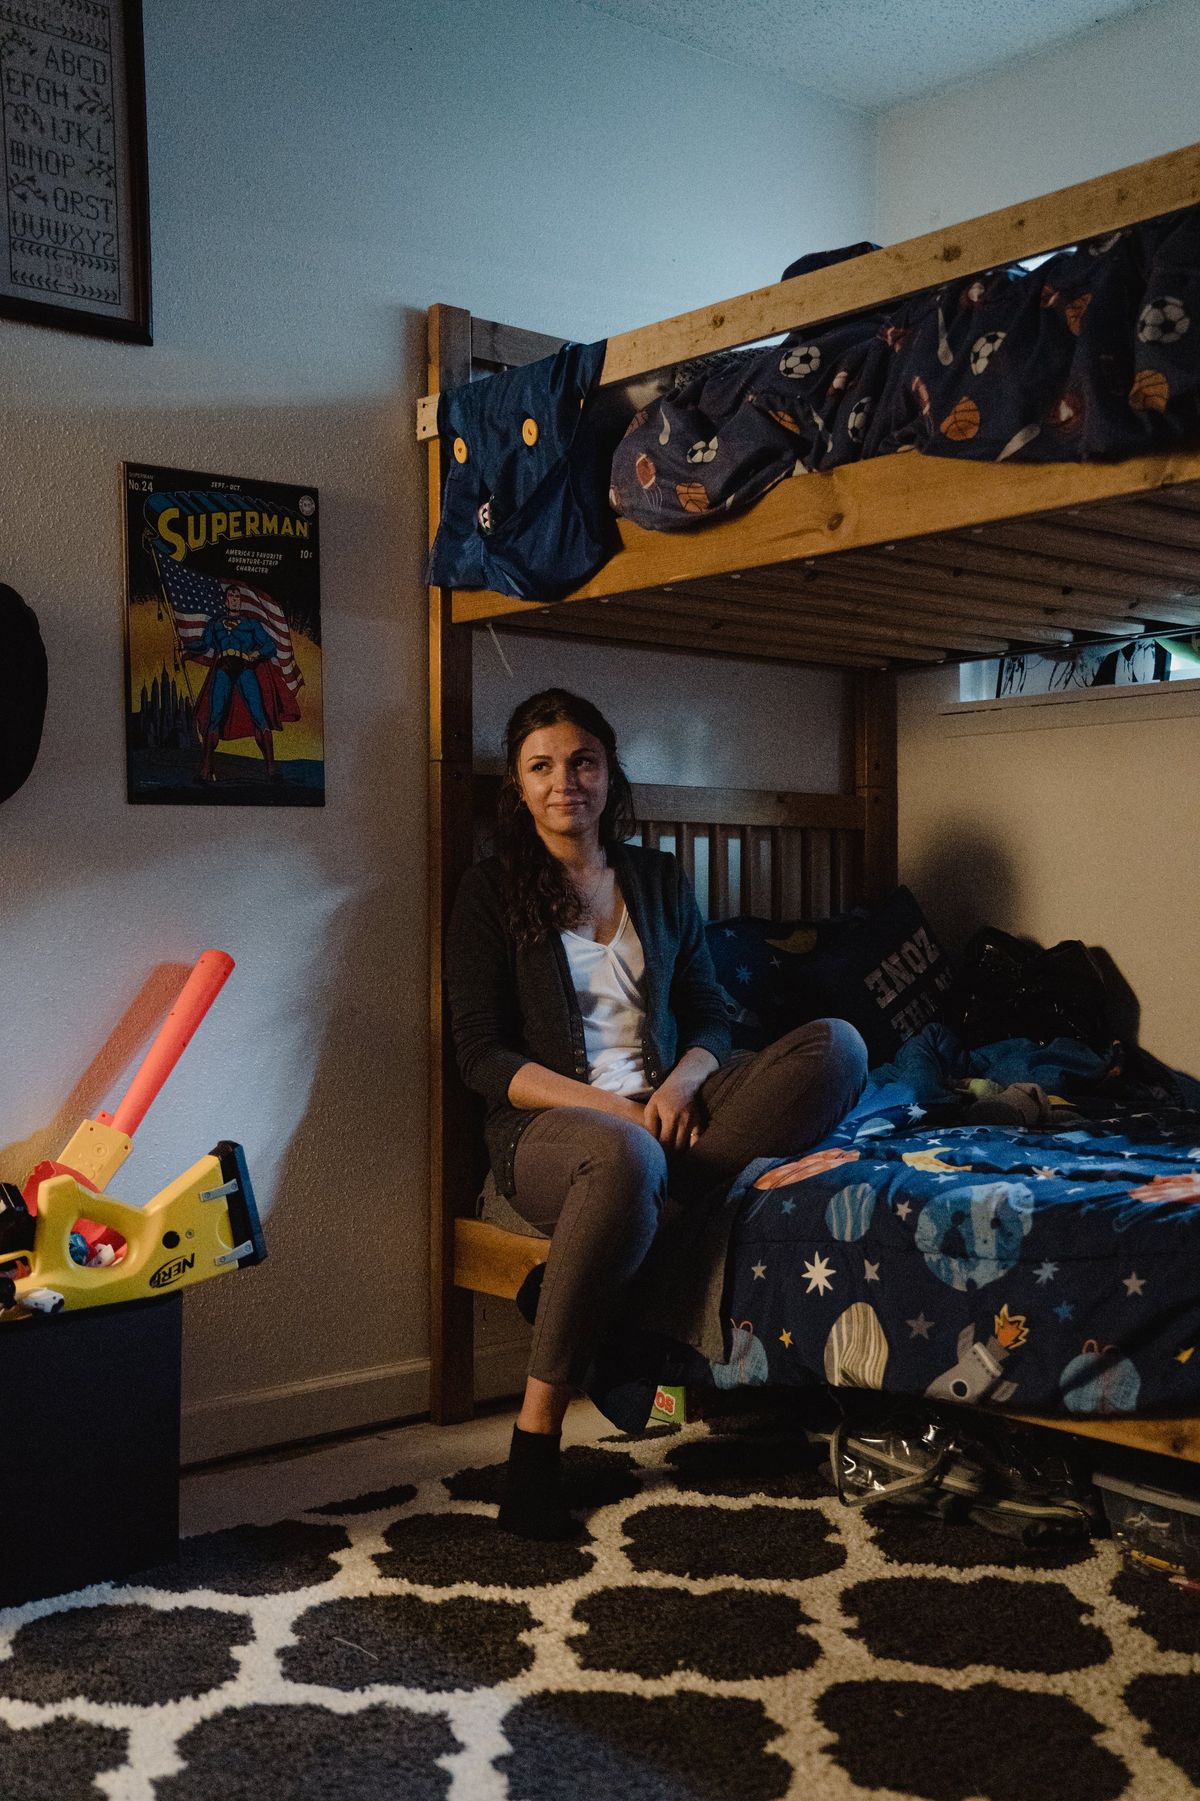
[675, 1112]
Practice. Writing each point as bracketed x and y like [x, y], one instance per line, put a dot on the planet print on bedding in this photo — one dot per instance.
[970, 1236]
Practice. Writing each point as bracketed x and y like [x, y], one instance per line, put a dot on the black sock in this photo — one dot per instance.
[533, 1506]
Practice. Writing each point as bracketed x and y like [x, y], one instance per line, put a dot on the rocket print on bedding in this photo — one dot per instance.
[1051, 1270]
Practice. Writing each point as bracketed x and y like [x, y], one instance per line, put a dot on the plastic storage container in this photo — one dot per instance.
[1157, 1531]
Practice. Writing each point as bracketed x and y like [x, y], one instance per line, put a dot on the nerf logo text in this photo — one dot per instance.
[171, 1272]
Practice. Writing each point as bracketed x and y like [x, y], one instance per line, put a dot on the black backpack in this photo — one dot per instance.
[1007, 988]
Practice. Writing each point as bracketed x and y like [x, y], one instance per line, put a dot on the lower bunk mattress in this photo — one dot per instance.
[1053, 1272]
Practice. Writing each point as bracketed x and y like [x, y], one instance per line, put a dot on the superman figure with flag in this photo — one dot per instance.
[245, 692]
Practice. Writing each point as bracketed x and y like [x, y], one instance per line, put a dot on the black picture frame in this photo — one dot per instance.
[75, 240]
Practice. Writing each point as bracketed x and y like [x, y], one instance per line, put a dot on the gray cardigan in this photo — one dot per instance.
[512, 1004]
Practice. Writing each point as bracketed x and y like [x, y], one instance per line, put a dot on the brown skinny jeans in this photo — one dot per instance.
[597, 1184]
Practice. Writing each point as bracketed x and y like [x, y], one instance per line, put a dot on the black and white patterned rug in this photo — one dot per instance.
[727, 1632]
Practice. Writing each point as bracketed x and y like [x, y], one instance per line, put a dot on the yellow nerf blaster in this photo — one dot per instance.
[204, 1224]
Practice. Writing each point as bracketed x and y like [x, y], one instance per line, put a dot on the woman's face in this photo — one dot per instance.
[563, 774]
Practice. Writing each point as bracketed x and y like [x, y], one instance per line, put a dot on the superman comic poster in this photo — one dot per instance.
[223, 641]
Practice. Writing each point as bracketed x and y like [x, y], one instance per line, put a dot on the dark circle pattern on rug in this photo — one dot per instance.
[730, 1636]
[1023, 1626]
[455, 1643]
[140, 1655]
[590, 1478]
[371, 1502]
[610, 1747]
[1170, 1707]
[252, 1560]
[988, 1741]
[961, 1545]
[58, 1759]
[1171, 1616]
[755, 1543]
[781, 1468]
[442, 1549]
[309, 1754]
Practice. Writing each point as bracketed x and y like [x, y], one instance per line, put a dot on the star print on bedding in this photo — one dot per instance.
[1050, 1271]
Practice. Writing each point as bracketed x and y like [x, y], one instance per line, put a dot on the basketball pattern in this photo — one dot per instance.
[692, 496]
[962, 421]
[1150, 391]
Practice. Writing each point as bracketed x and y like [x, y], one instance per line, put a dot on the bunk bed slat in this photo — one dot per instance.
[718, 872]
[685, 849]
[745, 870]
[776, 860]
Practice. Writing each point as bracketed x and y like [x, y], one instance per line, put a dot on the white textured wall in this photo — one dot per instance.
[320, 173]
[1116, 95]
[698, 721]
[1086, 830]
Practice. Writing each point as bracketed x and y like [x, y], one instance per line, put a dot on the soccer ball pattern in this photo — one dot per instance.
[984, 349]
[1046, 364]
[856, 424]
[1162, 321]
[804, 359]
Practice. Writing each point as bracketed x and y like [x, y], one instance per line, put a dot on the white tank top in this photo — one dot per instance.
[607, 979]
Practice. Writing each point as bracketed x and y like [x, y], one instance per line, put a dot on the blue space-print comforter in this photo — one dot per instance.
[1055, 1272]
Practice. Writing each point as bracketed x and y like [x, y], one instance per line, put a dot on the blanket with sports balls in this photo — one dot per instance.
[1094, 351]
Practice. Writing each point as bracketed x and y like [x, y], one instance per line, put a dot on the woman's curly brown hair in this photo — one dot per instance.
[540, 897]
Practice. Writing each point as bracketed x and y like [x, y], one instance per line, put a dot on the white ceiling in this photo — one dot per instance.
[870, 53]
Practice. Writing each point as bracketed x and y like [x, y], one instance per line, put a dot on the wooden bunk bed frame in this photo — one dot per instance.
[880, 565]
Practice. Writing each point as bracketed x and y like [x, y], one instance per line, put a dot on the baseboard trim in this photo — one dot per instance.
[230, 1425]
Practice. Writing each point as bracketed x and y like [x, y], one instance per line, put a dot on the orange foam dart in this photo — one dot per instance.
[175, 1034]
[101, 1145]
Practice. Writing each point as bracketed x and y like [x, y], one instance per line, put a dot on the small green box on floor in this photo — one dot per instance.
[91, 1427]
[670, 1407]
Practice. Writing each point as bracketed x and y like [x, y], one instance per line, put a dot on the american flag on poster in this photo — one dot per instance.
[195, 599]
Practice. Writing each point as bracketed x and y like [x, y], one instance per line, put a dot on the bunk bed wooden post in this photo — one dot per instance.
[451, 1133]
[875, 780]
